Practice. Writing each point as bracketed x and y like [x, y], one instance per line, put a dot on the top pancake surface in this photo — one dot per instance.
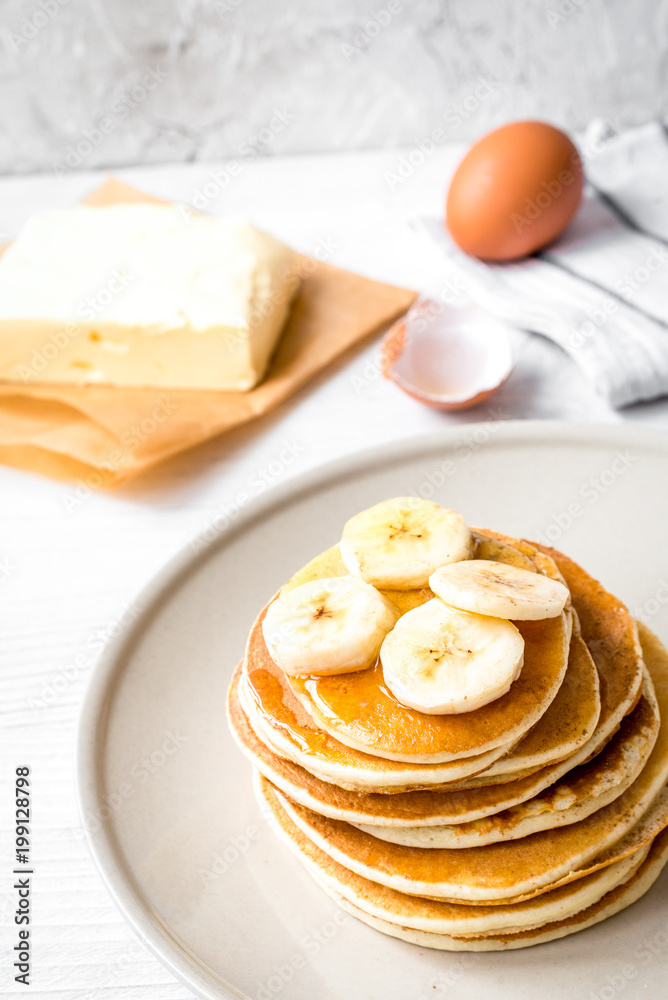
[360, 710]
[607, 628]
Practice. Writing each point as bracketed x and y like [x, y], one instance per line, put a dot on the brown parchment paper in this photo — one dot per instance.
[106, 435]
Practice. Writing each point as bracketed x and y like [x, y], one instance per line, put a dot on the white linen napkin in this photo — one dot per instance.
[600, 291]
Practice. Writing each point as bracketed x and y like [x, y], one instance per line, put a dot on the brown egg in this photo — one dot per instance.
[515, 191]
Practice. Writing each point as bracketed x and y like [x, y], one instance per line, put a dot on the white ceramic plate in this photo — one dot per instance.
[166, 796]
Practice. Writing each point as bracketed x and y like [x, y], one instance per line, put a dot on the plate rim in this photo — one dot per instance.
[89, 749]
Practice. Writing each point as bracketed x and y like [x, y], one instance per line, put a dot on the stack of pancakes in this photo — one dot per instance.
[532, 817]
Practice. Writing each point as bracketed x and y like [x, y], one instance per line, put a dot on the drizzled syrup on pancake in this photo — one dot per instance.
[359, 708]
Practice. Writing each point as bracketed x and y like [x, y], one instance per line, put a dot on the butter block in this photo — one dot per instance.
[142, 295]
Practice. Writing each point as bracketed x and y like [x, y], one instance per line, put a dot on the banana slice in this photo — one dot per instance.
[330, 626]
[399, 542]
[443, 661]
[500, 590]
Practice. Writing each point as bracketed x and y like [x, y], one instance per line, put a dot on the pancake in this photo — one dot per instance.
[611, 636]
[439, 917]
[610, 633]
[359, 710]
[419, 808]
[568, 724]
[288, 730]
[581, 684]
[284, 726]
[611, 903]
[521, 867]
[529, 818]
[581, 792]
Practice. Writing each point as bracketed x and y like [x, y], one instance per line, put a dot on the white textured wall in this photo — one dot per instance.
[240, 78]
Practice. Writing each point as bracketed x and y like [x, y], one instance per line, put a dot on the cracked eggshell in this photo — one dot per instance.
[447, 358]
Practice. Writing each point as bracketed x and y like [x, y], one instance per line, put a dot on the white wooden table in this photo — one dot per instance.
[69, 573]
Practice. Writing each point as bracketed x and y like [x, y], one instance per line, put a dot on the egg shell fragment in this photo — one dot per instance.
[447, 358]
